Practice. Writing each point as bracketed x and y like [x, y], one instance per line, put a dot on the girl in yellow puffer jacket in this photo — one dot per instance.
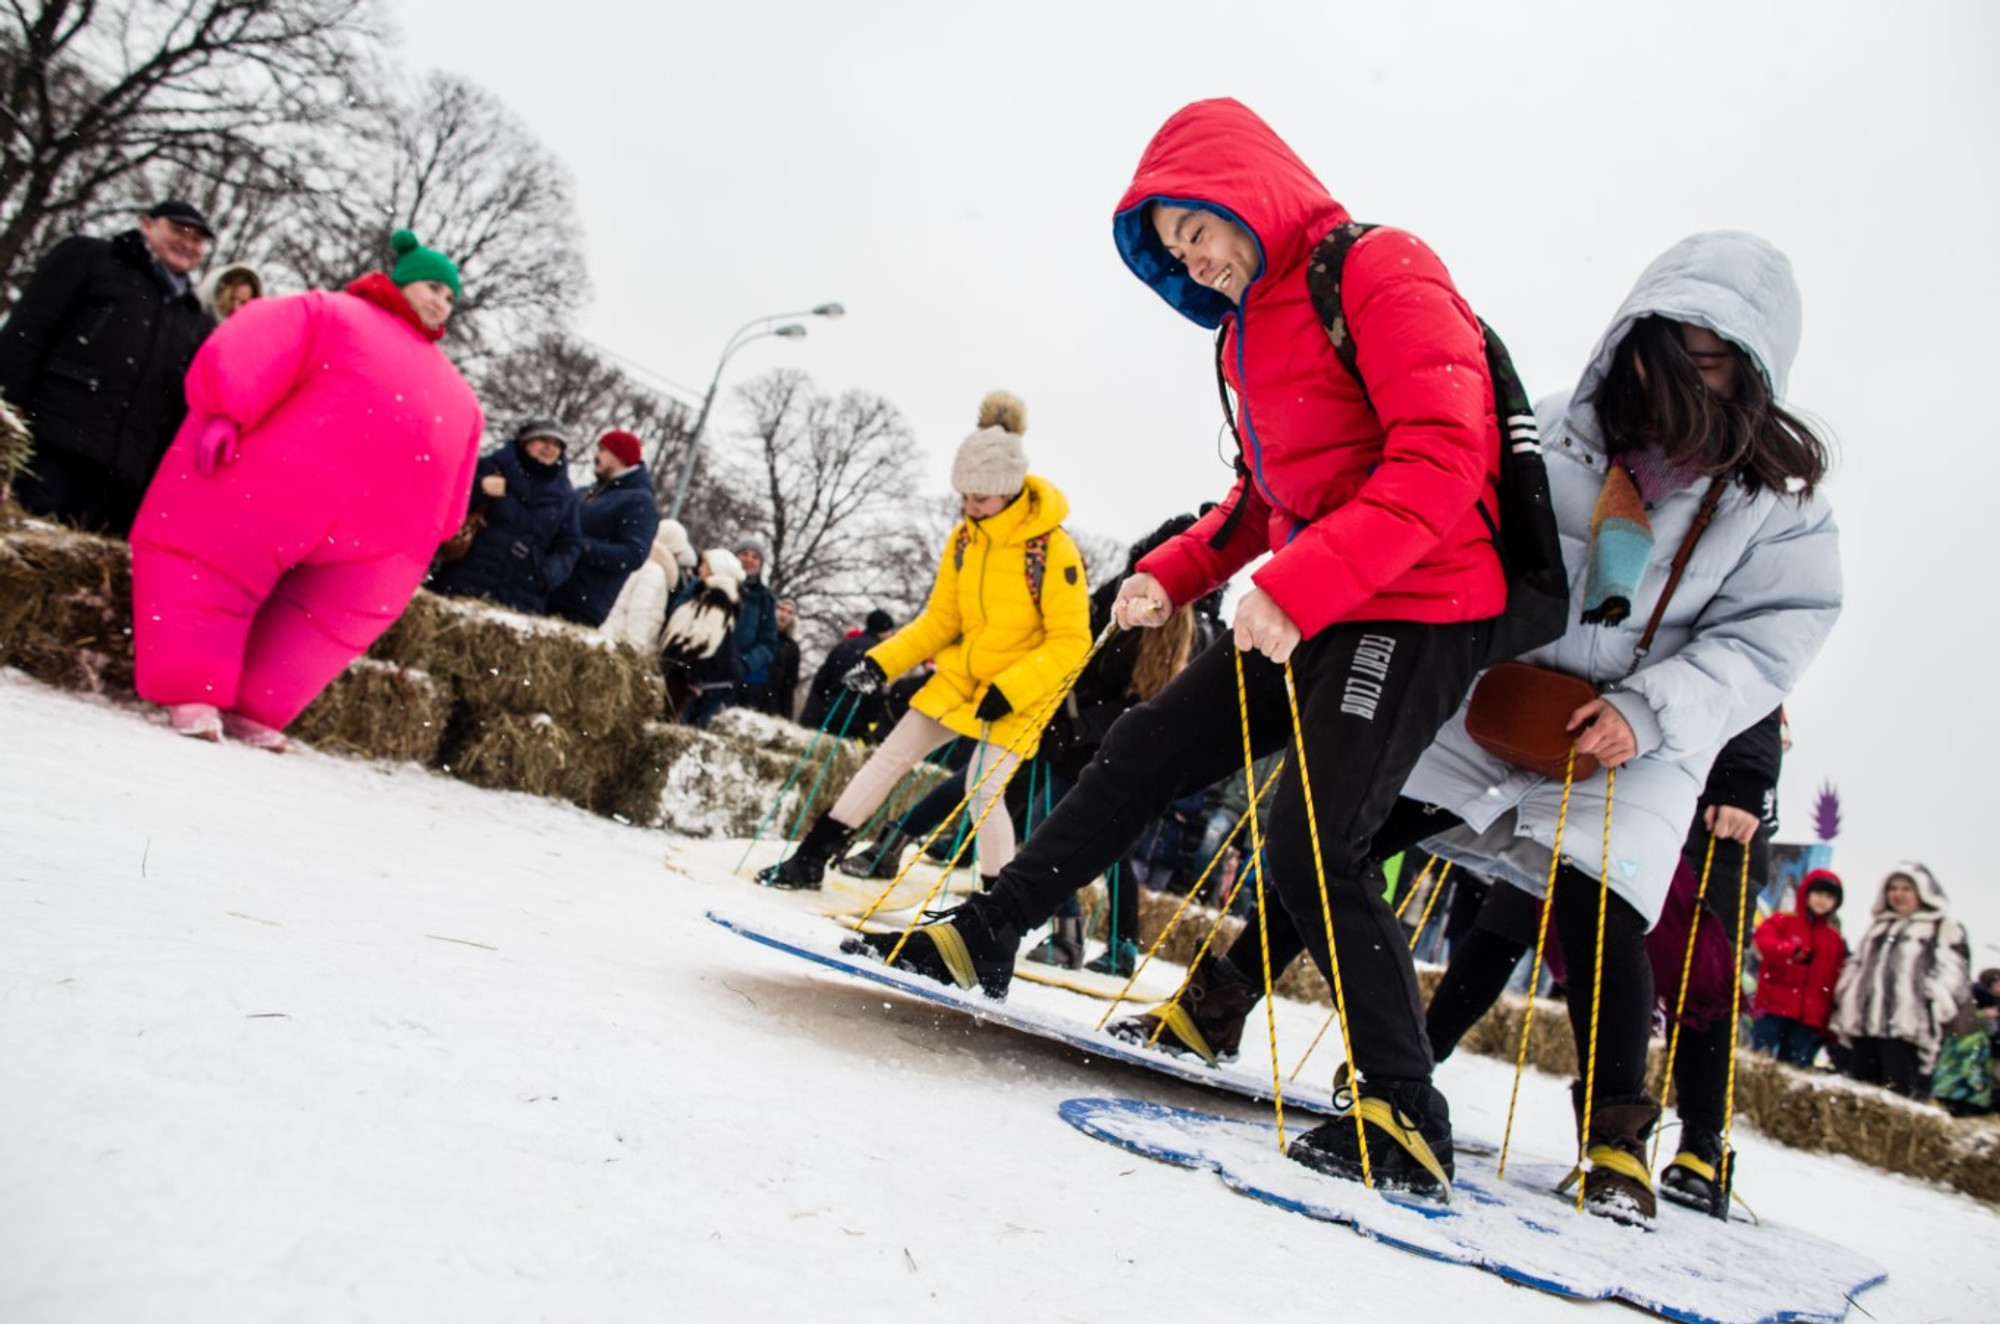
[1008, 621]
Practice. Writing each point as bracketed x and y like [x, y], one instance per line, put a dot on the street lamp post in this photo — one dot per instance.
[789, 331]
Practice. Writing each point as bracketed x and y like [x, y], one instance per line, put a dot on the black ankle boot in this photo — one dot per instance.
[880, 860]
[1207, 1020]
[1408, 1128]
[970, 945]
[807, 866]
[1698, 1177]
[1063, 946]
[1121, 958]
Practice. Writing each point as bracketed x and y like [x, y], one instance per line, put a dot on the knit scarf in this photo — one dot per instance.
[1621, 533]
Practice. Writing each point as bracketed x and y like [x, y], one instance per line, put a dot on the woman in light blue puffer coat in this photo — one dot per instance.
[1683, 391]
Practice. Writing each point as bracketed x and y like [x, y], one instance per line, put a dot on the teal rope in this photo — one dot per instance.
[798, 765]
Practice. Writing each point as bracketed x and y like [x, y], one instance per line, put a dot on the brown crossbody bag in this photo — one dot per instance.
[1520, 712]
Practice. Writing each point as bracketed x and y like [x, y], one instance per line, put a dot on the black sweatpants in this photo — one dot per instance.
[1372, 696]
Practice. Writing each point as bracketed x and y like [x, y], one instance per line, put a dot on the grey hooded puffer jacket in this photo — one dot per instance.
[1759, 596]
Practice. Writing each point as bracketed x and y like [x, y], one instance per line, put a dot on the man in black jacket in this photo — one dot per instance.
[95, 354]
[826, 686]
[619, 517]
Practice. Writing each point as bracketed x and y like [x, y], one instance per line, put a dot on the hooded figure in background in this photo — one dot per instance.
[1800, 956]
[532, 536]
[228, 288]
[327, 452]
[1910, 973]
[640, 615]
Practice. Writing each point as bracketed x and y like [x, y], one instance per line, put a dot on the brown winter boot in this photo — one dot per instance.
[1616, 1182]
[1205, 1018]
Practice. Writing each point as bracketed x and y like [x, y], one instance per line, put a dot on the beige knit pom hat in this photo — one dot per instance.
[991, 462]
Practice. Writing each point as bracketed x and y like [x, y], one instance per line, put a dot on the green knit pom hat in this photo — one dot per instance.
[415, 262]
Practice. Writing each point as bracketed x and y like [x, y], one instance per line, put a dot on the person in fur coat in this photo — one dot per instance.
[328, 450]
[1909, 975]
[698, 648]
[639, 615]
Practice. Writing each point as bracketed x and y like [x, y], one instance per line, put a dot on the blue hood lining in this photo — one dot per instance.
[1150, 262]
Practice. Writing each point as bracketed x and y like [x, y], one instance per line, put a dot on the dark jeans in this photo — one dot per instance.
[81, 492]
[1890, 1062]
[1786, 1039]
[1372, 697]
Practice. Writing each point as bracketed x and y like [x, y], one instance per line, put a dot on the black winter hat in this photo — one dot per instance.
[179, 209]
[879, 622]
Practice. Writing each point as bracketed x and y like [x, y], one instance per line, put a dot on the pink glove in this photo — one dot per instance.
[215, 447]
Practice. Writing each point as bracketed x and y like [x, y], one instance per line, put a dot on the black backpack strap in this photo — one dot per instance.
[1220, 538]
[1323, 271]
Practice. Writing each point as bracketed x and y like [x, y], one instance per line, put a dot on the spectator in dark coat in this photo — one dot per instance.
[94, 355]
[757, 622]
[618, 518]
[779, 694]
[698, 649]
[531, 539]
[842, 658]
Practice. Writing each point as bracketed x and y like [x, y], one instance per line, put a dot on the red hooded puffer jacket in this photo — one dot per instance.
[1371, 511]
[1802, 954]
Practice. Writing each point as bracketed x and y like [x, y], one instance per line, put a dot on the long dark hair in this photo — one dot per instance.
[1653, 395]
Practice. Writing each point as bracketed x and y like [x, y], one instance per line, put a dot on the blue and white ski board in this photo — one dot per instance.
[820, 942]
[1689, 1267]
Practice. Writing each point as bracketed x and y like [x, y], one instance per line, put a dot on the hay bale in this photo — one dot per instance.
[66, 608]
[499, 661]
[529, 752]
[634, 792]
[377, 710]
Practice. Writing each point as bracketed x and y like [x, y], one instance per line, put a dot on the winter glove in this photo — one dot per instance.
[994, 706]
[215, 447]
[865, 676]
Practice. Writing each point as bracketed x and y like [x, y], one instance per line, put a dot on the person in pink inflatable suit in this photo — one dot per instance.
[328, 450]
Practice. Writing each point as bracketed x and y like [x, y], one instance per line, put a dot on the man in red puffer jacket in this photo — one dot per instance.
[1801, 952]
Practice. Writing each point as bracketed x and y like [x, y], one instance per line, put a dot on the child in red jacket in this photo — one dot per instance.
[1801, 953]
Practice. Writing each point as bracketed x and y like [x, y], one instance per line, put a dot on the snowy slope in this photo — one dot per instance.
[301, 1038]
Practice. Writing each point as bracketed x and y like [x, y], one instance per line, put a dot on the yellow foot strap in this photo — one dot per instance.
[1694, 1164]
[1182, 1027]
[951, 946]
[1381, 1113]
[1612, 1159]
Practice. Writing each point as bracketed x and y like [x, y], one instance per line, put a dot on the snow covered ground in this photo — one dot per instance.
[307, 1039]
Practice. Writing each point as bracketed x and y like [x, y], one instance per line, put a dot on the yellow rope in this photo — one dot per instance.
[1028, 734]
[1596, 989]
[1437, 890]
[1535, 974]
[1326, 913]
[1680, 999]
[1174, 919]
[1257, 848]
[1735, 1020]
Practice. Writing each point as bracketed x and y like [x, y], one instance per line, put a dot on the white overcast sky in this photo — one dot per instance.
[948, 173]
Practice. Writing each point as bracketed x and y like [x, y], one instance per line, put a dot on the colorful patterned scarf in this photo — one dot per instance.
[1621, 534]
